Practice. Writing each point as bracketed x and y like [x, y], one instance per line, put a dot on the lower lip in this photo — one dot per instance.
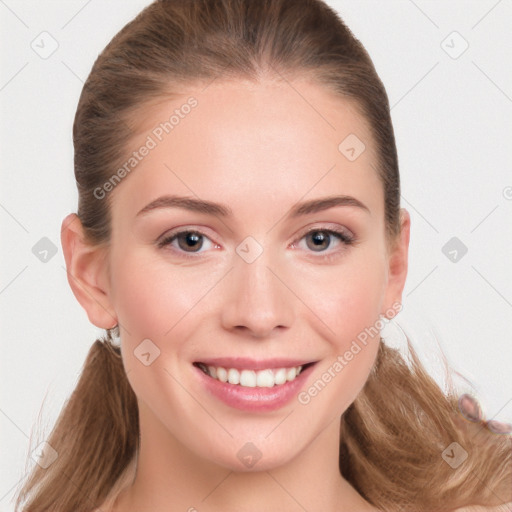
[254, 399]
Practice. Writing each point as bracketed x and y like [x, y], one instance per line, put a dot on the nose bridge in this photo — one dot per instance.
[257, 299]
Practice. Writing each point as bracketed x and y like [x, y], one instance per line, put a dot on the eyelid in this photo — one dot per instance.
[326, 226]
[161, 240]
[345, 236]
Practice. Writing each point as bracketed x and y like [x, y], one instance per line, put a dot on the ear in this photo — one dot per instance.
[398, 265]
[87, 271]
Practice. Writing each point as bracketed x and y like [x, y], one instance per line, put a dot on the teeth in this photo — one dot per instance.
[249, 378]
[265, 379]
[280, 376]
[222, 374]
[291, 374]
[233, 376]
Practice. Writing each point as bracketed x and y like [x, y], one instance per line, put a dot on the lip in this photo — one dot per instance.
[254, 399]
[246, 363]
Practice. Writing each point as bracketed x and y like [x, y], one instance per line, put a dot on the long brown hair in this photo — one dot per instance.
[393, 435]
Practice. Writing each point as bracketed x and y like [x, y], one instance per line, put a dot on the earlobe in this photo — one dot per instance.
[398, 264]
[87, 273]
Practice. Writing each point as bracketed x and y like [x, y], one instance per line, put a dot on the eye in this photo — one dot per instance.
[188, 241]
[319, 239]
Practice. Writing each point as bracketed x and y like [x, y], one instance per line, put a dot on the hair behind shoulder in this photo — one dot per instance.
[398, 436]
[95, 438]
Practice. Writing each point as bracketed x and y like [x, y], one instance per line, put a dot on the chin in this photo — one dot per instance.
[248, 458]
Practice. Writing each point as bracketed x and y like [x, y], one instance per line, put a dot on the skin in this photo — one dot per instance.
[258, 149]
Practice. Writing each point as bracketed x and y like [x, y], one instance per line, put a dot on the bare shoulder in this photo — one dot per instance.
[506, 507]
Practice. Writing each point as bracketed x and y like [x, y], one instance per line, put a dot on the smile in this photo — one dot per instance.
[265, 378]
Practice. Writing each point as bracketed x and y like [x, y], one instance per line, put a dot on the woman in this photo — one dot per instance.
[239, 235]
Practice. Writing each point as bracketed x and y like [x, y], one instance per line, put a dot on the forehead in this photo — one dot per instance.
[247, 141]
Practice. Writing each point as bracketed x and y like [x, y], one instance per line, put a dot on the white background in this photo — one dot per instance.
[453, 125]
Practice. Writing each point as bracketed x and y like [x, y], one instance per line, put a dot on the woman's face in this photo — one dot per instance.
[244, 279]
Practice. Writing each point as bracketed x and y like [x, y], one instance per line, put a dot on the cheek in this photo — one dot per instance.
[346, 305]
[347, 299]
[157, 302]
[151, 297]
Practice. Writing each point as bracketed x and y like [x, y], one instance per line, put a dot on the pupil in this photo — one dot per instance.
[320, 238]
[190, 239]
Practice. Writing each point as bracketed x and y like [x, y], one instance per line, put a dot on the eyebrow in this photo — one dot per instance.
[212, 208]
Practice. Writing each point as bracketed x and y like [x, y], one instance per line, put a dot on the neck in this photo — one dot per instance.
[171, 477]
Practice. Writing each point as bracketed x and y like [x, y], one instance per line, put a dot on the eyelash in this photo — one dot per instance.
[342, 236]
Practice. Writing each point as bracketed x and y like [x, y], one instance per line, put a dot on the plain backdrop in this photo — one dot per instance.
[446, 68]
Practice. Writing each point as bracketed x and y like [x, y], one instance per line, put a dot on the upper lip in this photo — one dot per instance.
[247, 363]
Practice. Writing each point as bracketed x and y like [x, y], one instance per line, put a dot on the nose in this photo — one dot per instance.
[258, 299]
